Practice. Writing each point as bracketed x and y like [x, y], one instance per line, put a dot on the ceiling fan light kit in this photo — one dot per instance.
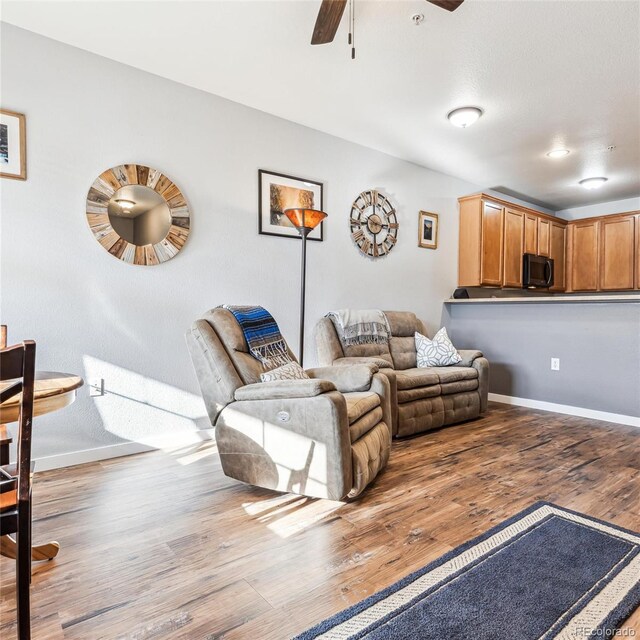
[464, 117]
[558, 153]
[593, 183]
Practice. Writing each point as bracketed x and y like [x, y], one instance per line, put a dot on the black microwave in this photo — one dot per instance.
[537, 271]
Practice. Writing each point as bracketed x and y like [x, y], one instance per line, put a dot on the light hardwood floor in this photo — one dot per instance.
[163, 545]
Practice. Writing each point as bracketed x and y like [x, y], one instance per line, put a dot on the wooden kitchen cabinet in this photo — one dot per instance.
[513, 243]
[592, 254]
[480, 251]
[531, 233]
[617, 253]
[544, 237]
[494, 236]
[557, 251]
[491, 258]
[469, 241]
[583, 251]
[637, 256]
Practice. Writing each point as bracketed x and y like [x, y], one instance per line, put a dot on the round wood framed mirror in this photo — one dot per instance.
[137, 214]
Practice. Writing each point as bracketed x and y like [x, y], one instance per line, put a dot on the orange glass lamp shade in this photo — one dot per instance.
[305, 218]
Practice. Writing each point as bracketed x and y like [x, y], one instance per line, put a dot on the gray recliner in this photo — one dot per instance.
[326, 437]
[421, 398]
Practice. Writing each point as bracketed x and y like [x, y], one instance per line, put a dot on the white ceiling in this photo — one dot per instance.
[547, 73]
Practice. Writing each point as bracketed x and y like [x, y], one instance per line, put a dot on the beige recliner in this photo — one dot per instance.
[421, 398]
[326, 437]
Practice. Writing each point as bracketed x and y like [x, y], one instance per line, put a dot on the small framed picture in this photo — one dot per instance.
[428, 230]
[278, 192]
[13, 145]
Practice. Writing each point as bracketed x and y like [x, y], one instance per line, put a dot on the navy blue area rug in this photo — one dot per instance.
[545, 573]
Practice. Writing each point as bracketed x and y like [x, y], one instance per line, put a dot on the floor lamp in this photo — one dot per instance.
[305, 221]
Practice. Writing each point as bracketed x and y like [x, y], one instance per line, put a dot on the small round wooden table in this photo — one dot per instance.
[52, 391]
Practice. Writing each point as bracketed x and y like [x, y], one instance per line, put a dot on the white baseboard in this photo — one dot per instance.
[90, 455]
[567, 409]
[120, 449]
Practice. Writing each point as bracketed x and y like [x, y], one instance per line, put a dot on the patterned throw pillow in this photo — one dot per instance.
[438, 352]
[289, 371]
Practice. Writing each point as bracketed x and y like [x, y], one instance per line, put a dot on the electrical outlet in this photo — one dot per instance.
[555, 364]
[96, 387]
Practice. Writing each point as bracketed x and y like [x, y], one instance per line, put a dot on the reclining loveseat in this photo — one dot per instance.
[421, 398]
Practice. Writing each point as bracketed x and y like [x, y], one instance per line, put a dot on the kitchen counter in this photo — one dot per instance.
[631, 297]
[596, 339]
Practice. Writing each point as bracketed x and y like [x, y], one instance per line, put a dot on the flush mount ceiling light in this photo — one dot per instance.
[558, 153]
[592, 183]
[125, 204]
[464, 116]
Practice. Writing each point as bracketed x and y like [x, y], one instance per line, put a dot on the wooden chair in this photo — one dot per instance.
[17, 364]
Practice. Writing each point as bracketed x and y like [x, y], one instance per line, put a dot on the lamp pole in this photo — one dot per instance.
[304, 232]
[305, 221]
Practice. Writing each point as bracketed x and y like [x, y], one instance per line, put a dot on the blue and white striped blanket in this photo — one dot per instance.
[262, 333]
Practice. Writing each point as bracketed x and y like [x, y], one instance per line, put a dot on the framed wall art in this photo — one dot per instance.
[13, 145]
[278, 192]
[428, 230]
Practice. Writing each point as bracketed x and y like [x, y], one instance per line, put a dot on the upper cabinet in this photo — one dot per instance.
[470, 242]
[544, 237]
[592, 254]
[494, 236]
[514, 226]
[617, 251]
[637, 256]
[531, 233]
[492, 257]
[557, 251]
[604, 253]
[583, 252]
[480, 250]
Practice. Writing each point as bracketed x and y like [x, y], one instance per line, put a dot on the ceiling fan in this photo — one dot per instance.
[331, 12]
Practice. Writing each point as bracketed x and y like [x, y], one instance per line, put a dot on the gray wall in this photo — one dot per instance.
[602, 209]
[94, 315]
[598, 346]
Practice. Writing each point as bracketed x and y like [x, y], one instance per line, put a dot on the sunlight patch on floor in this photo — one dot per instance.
[255, 508]
[299, 502]
[303, 518]
[289, 514]
[201, 453]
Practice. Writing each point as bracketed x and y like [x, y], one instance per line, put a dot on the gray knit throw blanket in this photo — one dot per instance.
[360, 326]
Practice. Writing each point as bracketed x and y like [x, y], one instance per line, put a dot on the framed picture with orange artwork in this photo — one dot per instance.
[277, 192]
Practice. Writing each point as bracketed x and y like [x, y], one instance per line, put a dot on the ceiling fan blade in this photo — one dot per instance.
[328, 21]
[449, 5]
